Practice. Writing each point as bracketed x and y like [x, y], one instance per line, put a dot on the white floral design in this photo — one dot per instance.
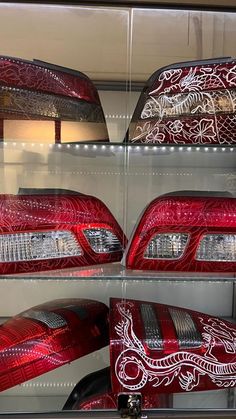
[231, 76]
[151, 109]
[202, 131]
[190, 105]
[155, 136]
[176, 126]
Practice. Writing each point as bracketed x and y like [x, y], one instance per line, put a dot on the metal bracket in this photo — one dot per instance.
[129, 405]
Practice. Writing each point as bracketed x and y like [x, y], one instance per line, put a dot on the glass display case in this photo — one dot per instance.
[118, 210]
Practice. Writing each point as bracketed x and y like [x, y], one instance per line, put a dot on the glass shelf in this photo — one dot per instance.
[117, 146]
[142, 155]
[112, 414]
[116, 271]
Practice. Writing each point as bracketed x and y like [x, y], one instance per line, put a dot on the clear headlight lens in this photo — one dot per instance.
[167, 246]
[217, 247]
[38, 245]
[102, 240]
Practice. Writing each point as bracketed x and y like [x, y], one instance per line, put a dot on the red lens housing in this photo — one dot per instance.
[157, 348]
[191, 216]
[49, 336]
[69, 214]
[188, 103]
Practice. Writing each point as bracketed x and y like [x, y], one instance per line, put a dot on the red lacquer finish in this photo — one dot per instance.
[73, 213]
[157, 348]
[188, 103]
[193, 215]
[49, 336]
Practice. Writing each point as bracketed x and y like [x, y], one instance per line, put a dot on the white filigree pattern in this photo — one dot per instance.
[202, 132]
[189, 104]
[184, 367]
[207, 77]
[218, 329]
[231, 76]
[206, 93]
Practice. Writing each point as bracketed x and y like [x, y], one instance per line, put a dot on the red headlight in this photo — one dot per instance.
[48, 336]
[157, 348]
[185, 233]
[188, 103]
[43, 102]
[43, 232]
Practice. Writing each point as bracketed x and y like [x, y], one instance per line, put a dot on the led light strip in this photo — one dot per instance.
[120, 147]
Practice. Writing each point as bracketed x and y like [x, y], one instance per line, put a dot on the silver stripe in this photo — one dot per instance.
[153, 338]
[187, 333]
[51, 319]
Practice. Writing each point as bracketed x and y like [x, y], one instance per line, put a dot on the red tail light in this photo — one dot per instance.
[157, 348]
[48, 336]
[185, 233]
[188, 103]
[43, 102]
[44, 232]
